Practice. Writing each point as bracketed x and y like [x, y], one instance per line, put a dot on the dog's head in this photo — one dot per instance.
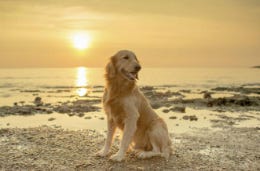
[123, 64]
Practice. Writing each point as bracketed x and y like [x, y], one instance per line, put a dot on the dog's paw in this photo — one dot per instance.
[102, 153]
[147, 154]
[117, 158]
[141, 155]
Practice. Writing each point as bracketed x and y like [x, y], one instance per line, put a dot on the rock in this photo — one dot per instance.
[81, 114]
[63, 109]
[191, 117]
[172, 117]
[166, 110]
[242, 100]
[49, 111]
[210, 104]
[155, 105]
[25, 110]
[88, 117]
[235, 100]
[178, 109]
[38, 101]
[186, 117]
[51, 119]
[22, 102]
[47, 104]
[207, 95]
[71, 114]
[185, 91]
[241, 89]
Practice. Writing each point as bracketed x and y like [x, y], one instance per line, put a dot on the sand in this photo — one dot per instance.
[45, 148]
[228, 140]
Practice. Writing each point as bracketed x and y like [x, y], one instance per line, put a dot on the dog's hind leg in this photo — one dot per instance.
[160, 142]
[148, 154]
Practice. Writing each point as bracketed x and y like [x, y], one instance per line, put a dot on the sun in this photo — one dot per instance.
[81, 41]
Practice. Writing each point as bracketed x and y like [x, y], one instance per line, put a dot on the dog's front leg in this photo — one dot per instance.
[128, 133]
[111, 127]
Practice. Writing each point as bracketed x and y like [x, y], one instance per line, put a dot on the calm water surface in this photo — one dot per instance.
[81, 76]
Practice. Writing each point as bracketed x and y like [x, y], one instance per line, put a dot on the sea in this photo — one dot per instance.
[48, 78]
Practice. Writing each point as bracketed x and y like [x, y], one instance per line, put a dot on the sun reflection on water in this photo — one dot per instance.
[81, 81]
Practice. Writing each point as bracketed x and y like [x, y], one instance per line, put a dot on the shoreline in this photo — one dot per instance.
[178, 107]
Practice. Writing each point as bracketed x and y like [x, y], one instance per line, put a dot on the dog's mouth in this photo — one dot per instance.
[130, 75]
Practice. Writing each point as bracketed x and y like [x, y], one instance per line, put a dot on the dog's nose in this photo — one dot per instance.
[137, 67]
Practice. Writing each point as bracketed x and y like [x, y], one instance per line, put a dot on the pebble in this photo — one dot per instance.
[88, 117]
[178, 109]
[191, 117]
[49, 111]
[207, 95]
[71, 114]
[51, 119]
[166, 110]
[81, 114]
[172, 117]
[38, 101]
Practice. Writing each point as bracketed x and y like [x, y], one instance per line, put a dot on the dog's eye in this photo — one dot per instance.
[126, 57]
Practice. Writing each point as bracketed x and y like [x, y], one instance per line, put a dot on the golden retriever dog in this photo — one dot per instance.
[127, 109]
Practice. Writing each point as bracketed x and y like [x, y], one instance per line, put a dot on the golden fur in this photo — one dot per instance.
[127, 109]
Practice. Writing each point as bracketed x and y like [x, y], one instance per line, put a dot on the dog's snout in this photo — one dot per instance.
[138, 67]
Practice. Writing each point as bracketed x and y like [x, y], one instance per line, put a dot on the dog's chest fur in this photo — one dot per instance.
[116, 112]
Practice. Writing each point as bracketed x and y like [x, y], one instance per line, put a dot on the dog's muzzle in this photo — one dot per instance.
[132, 75]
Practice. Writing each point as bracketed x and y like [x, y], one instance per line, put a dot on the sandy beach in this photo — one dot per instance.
[196, 62]
[214, 129]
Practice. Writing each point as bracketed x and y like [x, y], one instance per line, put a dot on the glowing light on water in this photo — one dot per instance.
[81, 81]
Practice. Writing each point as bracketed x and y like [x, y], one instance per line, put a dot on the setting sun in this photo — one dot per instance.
[81, 41]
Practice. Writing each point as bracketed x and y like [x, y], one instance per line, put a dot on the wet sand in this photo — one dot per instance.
[214, 129]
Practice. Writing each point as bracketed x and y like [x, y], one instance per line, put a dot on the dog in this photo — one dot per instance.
[127, 109]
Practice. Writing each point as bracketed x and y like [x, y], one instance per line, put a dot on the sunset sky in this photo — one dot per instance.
[163, 33]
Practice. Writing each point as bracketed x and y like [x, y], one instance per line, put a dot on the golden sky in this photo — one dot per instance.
[163, 33]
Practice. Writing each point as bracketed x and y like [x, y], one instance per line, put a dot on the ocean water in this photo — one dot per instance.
[81, 76]
[58, 84]
[20, 84]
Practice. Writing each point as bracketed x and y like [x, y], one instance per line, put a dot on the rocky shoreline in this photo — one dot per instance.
[241, 98]
[221, 146]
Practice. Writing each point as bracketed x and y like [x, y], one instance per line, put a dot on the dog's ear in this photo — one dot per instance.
[110, 68]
